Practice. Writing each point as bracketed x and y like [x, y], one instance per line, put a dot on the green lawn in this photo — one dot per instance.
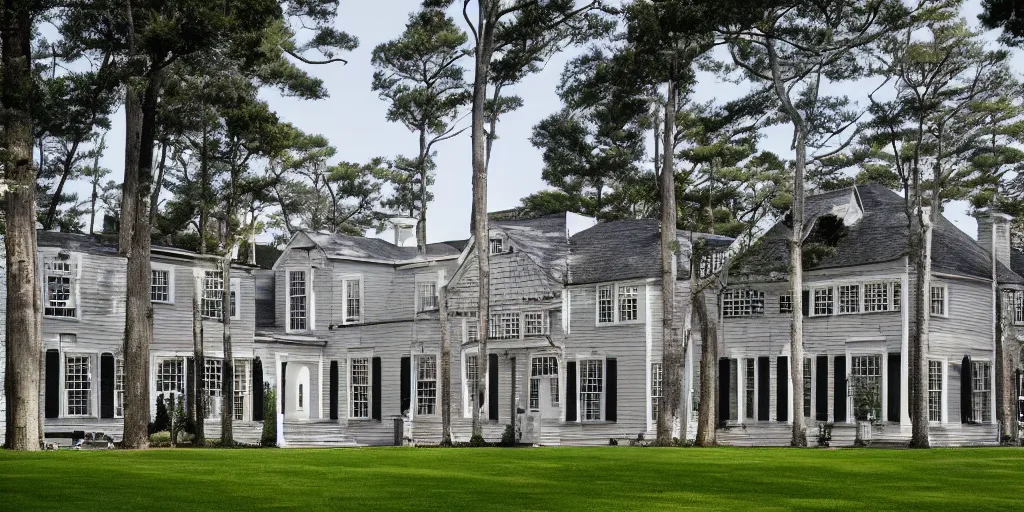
[513, 479]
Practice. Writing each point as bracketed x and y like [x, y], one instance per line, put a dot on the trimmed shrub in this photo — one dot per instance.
[269, 436]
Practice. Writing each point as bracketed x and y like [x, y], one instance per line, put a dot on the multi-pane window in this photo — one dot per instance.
[591, 388]
[869, 368]
[1015, 302]
[897, 296]
[785, 303]
[361, 388]
[77, 385]
[504, 326]
[934, 390]
[472, 331]
[472, 381]
[849, 299]
[656, 389]
[497, 246]
[695, 390]
[536, 323]
[213, 294]
[605, 304]
[298, 301]
[119, 388]
[241, 388]
[426, 384]
[213, 376]
[628, 303]
[161, 289]
[543, 368]
[60, 299]
[876, 297]
[426, 296]
[748, 388]
[823, 301]
[938, 301]
[981, 397]
[712, 262]
[170, 375]
[742, 303]
[808, 385]
[353, 300]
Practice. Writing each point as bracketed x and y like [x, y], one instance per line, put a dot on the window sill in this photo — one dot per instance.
[164, 302]
[63, 318]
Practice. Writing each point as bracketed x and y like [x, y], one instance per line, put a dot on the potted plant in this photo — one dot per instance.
[867, 402]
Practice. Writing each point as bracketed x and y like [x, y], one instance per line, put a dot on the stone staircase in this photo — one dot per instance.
[315, 434]
[550, 434]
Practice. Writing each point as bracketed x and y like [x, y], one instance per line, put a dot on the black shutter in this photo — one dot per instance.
[52, 383]
[611, 390]
[723, 390]
[821, 390]
[257, 390]
[806, 307]
[782, 388]
[893, 388]
[334, 390]
[406, 383]
[107, 385]
[284, 386]
[763, 388]
[492, 387]
[839, 407]
[966, 390]
[375, 369]
[570, 391]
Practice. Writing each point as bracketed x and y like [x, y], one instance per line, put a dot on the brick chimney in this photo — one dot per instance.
[994, 234]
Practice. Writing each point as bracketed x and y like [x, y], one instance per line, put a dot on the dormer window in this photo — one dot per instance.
[497, 246]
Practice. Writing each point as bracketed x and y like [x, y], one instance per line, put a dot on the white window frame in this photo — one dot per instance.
[945, 300]
[742, 302]
[839, 308]
[581, 412]
[352, 387]
[467, 325]
[346, 280]
[1015, 303]
[831, 290]
[749, 414]
[987, 407]
[242, 377]
[236, 290]
[425, 280]
[74, 277]
[785, 303]
[496, 329]
[882, 383]
[657, 391]
[206, 275]
[169, 270]
[288, 299]
[119, 387]
[496, 245]
[610, 300]
[616, 298]
[433, 402]
[884, 305]
[545, 323]
[941, 391]
[809, 370]
[89, 380]
[467, 408]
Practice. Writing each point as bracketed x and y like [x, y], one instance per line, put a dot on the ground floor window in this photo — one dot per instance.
[591, 388]
[119, 388]
[170, 375]
[426, 384]
[77, 385]
[360, 388]
[695, 389]
[656, 389]
[868, 369]
[982, 395]
[213, 376]
[749, 393]
[472, 383]
[934, 390]
[808, 386]
[241, 388]
[544, 370]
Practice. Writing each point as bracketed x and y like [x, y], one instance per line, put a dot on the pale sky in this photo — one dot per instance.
[353, 119]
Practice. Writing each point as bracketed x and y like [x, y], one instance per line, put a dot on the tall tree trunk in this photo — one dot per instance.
[159, 185]
[204, 186]
[129, 188]
[796, 281]
[138, 330]
[446, 367]
[227, 437]
[707, 408]
[672, 361]
[484, 49]
[198, 362]
[23, 337]
[421, 223]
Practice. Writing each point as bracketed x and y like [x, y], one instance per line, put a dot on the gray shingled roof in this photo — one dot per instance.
[89, 244]
[621, 250]
[880, 236]
[346, 246]
[543, 239]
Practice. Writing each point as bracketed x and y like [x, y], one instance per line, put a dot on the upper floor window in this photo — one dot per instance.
[61, 292]
[535, 323]
[472, 331]
[712, 262]
[426, 296]
[497, 246]
[1015, 303]
[876, 297]
[298, 301]
[938, 301]
[823, 301]
[213, 294]
[742, 303]
[353, 300]
[504, 326]
[618, 303]
[849, 299]
[161, 287]
[897, 296]
[785, 303]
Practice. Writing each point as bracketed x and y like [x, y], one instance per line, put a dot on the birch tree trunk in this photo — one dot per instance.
[138, 331]
[228, 366]
[922, 317]
[672, 361]
[198, 362]
[446, 368]
[23, 337]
